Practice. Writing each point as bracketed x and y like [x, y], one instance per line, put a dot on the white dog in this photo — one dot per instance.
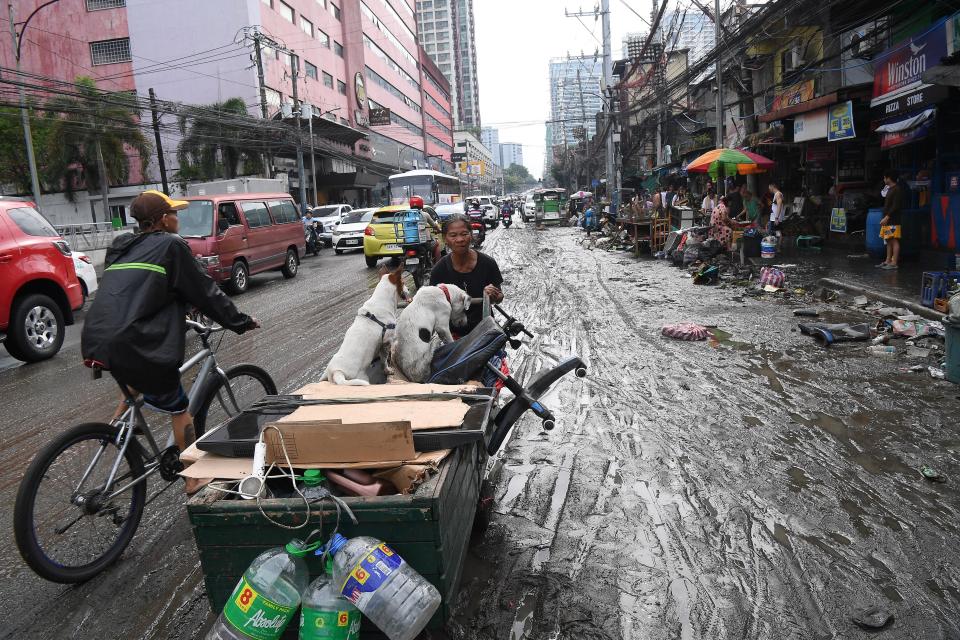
[433, 309]
[370, 333]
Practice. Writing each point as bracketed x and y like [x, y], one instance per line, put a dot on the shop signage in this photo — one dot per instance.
[471, 168]
[810, 126]
[820, 154]
[379, 117]
[794, 94]
[361, 118]
[458, 157]
[838, 220]
[905, 137]
[903, 65]
[913, 101]
[841, 122]
[360, 90]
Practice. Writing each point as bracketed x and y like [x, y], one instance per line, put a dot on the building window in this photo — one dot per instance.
[323, 38]
[284, 58]
[287, 12]
[306, 26]
[110, 51]
[342, 87]
[327, 80]
[335, 10]
[96, 5]
[310, 70]
[338, 48]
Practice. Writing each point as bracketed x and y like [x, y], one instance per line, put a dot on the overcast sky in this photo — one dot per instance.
[515, 40]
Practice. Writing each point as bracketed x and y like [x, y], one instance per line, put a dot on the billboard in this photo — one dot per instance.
[472, 167]
[903, 65]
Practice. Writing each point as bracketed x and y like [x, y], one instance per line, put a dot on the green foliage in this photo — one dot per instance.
[14, 168]
[77, 122]
[217, 139]
[516, 178]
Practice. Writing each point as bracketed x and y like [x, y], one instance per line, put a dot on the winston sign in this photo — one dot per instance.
[903, 65]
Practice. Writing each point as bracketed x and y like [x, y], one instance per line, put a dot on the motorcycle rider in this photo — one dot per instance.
[475, 213]
[310, 232]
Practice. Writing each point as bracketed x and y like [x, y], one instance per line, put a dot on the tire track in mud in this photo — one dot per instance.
[741, 473]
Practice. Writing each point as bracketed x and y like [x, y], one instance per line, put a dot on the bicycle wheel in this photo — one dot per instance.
[248, 382]
[58, 538]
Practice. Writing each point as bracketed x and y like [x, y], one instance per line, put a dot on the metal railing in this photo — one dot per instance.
[87, 237]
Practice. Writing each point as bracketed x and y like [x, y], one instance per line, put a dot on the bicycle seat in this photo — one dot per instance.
[97, 366]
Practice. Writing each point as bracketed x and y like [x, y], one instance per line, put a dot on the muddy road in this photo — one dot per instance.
[753, 487]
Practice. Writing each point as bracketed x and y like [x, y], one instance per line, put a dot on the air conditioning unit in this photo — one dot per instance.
[794, 59]
[864, 43]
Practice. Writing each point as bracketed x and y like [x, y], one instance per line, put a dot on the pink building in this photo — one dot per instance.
[354, 55]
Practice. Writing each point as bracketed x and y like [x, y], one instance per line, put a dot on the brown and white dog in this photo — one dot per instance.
[432, 310]
[370, 334]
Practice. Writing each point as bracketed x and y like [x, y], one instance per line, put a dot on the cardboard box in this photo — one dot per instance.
[421, 414]
[325, 442]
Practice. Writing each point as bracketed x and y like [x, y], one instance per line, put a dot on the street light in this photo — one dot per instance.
[17, 39]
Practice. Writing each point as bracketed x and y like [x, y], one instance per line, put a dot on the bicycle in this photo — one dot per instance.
[96, 473]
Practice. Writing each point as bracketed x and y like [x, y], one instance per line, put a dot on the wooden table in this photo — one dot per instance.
[653, 230]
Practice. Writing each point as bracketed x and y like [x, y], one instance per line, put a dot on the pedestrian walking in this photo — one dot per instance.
[776, 210]
[890, 227]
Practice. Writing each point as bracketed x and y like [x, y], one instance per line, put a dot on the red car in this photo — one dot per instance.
[39, 290]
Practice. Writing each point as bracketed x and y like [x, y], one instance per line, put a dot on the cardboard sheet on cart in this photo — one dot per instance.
[209, 465]
[421, 414]
[330, 391]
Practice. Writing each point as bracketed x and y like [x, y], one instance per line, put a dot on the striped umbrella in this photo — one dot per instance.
[730, 162]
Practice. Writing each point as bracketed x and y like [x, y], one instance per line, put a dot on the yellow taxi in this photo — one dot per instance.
[380, 238]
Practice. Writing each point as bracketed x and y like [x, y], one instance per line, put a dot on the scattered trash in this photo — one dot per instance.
[917, 352]
[860, 301]
[827, 334]
[769, 288]
[883, 338]
[915, 327]
[891, 312]
[932, 474]
[829, 295]
[917, 368]
[873, 618]
[936, 372]
[784, 266]
[810, 313]
[707, 275]
[858, 256]
[772, 276]
[882, 350]
[685, 331]
[800, 291]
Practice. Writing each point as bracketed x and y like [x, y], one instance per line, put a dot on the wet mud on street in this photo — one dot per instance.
[755, 486]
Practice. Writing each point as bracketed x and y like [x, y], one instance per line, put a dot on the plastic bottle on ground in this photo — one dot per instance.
[266, 598]
[326, 614]
[883, 350]
[383, 586]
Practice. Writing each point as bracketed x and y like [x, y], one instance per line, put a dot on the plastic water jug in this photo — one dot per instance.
[266, 598]
[411, 227]
[383, 586]
[326, 614]
[768, 247]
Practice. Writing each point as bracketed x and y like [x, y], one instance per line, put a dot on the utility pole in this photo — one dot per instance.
[156, 137]
[583, 114]
[24, 116]
[612, 194]
[263, 95]
[719, 74]
[313, 160]
[104, 183]
[295, 72]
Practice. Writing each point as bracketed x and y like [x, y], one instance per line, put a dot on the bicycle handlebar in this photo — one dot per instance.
[204, 329]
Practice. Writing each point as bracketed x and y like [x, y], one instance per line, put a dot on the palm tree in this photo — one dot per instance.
[217, 139]
[90, 133]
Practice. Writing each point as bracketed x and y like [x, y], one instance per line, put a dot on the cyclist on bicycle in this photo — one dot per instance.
[136, 325]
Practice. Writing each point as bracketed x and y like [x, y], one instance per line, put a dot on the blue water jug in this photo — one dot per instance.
[411, 227]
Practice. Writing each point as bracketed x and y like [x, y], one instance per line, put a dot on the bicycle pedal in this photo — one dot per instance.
[170, 465]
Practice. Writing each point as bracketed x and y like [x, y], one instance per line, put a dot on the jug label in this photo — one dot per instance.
[255, 616]
[371, 572]
[329, 625]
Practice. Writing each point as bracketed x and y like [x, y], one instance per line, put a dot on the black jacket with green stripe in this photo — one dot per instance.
[136, 324]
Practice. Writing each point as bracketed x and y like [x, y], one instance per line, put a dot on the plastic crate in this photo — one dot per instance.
[936, 284]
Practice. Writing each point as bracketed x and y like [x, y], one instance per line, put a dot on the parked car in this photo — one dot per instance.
[39, 290]
[329, 216]
[444, 211]
[86, 274]
[348, 234]
[242, 234]
[380, 238]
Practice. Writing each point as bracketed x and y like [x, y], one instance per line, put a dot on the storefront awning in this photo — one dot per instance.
[908, 122]
[803, 107]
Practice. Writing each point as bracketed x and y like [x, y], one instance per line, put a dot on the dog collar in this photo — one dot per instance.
[446, 291]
